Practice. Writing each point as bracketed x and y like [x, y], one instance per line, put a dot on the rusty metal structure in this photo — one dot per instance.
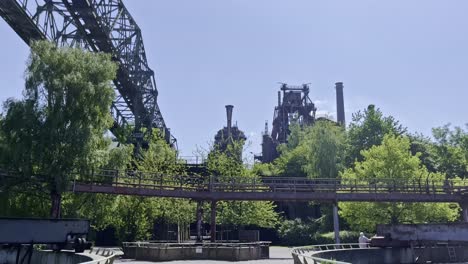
[229, 134]
[294, 106]
[99, 26]
[272, 188]
[147, 184]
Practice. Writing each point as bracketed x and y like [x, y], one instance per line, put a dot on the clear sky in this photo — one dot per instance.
[410, 58]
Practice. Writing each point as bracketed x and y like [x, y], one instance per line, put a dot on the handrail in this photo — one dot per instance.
[191, 244]
[300, 252]
[107, 254]
[220, 184]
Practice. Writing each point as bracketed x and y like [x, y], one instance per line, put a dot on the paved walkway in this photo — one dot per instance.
[278, 255]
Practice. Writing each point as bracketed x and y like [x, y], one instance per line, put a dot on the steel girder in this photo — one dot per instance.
[100, 26]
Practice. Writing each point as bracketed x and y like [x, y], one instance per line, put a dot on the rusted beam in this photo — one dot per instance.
[271, 196]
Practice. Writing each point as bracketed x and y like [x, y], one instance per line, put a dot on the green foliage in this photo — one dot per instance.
[293, 155]
[326, 144]
[368, 129]
[134, 216]
[159, 157]
[298, 232]
[239, 213]
[451, 151]
[316, 151]
[392, 161]
[345, 237]
[425, 147]
[59, 126]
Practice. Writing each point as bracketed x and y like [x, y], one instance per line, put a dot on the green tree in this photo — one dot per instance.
[228, 169]
[425, 147]
[450, 151]
[58, 128]
[368, 129]
[392, 161]
[134, 217]
[326, 144]
[292, 159]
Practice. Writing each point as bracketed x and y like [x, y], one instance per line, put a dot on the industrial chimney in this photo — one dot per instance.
[229, 119]
[340, 112]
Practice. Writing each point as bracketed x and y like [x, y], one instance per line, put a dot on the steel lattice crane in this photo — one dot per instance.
[100, 26]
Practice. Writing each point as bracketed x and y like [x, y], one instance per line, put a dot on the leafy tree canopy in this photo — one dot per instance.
[58, 128]
[228, 168]
[368, 129]
[450, 151]
[392, 161]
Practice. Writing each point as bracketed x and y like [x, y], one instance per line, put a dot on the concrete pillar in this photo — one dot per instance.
[213, 221]
[464, 207]
[56, 204]
[336, 224]
[199, 220]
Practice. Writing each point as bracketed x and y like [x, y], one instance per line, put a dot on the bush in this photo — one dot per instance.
[345, 237]
[300, 233]
[297, 232]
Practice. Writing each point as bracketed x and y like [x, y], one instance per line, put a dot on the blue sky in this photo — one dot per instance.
[410, 58]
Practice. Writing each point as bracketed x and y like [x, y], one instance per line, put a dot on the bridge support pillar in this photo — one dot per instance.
[464, 207]
[56, 204]
[336, 223]
[199, 221]
[213, 221]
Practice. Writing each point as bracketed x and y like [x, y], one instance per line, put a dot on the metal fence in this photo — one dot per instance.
[448, 190]
[305, 255]
[108, 256]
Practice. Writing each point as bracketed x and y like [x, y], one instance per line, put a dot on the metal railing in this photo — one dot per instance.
[224, 184]
[149, 244]
[108, 256]
[305, 255]
[193, 160]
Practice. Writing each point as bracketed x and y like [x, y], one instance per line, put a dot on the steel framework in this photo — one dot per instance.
[271, 188]
[100, 26]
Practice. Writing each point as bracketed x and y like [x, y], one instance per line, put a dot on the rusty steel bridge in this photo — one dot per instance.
[98, 26]
[218, 188]
[271, 188]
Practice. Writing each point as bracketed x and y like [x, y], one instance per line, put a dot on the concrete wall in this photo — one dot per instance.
[238, 253]
[395, 255]
[427, 232]
[368, 256]
[8, 256]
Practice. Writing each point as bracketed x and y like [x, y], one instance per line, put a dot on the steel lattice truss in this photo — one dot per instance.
[101, 26]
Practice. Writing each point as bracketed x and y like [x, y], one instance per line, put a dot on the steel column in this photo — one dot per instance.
[199, 221]
[336, 223]
[464, 207]
[213, 221]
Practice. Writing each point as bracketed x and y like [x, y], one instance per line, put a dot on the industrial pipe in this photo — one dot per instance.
[229, 119]
[340, 111]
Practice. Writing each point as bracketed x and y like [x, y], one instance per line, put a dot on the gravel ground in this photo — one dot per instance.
[278, 255]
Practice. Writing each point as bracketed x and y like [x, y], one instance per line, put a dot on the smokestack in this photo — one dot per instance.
[340, 112]
[229, 119]
[279, 98]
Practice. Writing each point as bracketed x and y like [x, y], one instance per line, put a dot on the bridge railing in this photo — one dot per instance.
[107, 256]
[152, 180]
[302, 255]
[193, 160]
[140, 179]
